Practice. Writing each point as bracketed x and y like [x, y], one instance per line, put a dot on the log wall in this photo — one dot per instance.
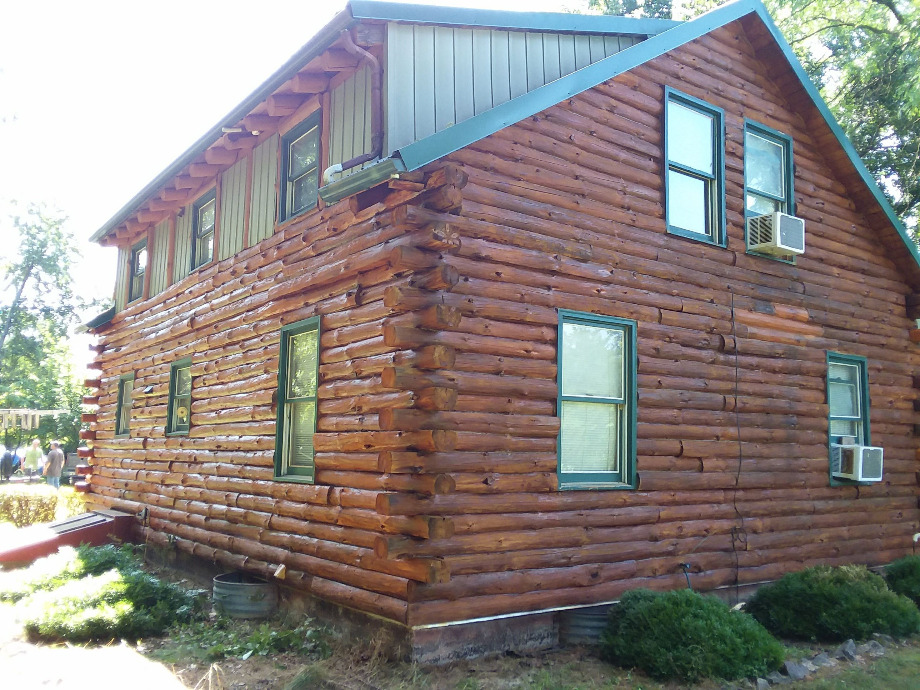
[436, 495]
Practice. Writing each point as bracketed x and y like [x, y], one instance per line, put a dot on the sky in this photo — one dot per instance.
[98, 97]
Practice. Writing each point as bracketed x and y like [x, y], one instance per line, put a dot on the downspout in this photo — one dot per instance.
[364, 56]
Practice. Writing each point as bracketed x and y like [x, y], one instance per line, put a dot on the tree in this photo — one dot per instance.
[37, 308]
[864, 56]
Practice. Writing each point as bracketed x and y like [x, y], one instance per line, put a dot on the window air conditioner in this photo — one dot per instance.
[778, 234]
[859, 463]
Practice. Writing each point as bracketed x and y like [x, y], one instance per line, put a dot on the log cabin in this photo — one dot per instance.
[355, 326]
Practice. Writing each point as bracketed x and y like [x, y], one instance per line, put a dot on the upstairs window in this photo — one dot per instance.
[203, 222]
[694, 184]
[123, 407]
[767, 171]
[597, 401]
[847, 399]
[138, 270]
[180, 397]
[300, 167]
[297, 382]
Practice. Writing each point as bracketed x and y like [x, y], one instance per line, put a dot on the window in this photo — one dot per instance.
[123, 409]
[847, 399]
[597, 400]
[138, 270]
[300, 166]
[767, 171]
[694, 184]
[180, 397]
[297, 377]
[203, 221]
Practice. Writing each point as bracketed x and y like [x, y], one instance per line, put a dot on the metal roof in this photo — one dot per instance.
[358, 10]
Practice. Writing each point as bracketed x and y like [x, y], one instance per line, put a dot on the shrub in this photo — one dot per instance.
[903, 577]
[685, 636]
[118, 604]
[70, 503]
[833, 604]
[64, 566]
[25, 505]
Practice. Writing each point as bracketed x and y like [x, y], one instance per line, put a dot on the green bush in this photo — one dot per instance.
[685, 636]
[833, 604]
[903, 577]
[64, 566]
[70, 503]
[27, 504]
[95, 594]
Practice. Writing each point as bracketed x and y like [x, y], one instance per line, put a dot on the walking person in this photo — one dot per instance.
[54, 465]
[33, 459]
[6, 465]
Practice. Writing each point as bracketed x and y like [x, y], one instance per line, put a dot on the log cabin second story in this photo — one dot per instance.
[332, 121]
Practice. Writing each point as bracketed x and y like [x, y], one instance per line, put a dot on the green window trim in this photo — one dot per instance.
[691, 169]
[784, 200]
[297, 384]
[204, 222]
[123, 406]
[137, 270]
[621, 402]
[300, 174]
[859, 419]
[178, 414]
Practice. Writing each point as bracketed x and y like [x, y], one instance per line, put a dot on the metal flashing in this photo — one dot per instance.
[503, 19]
[97, 321]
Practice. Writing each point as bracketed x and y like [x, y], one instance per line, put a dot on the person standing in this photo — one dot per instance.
[55, 465]
[6, 465]
[33, 459]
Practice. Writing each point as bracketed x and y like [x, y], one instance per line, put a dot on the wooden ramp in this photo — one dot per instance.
[95, 529]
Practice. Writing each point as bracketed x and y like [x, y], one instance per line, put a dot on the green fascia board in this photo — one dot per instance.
[503, 19]
[463, 134]
[97, 321]
[314, 47]
[361, 180]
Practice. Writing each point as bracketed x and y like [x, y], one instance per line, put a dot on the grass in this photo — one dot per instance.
[898, 670]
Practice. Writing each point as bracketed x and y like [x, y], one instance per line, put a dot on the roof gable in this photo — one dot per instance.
[462, 134]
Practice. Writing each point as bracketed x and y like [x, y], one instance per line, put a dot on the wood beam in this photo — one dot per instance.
[309, 83]
[185, 182]
[174, 194]
[337, 60]
[203, 170]
[259, 123]
[220, 156]
[282, 104]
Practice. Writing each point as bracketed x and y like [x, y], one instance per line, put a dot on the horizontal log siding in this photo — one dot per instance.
[565, 210]
[212, 492]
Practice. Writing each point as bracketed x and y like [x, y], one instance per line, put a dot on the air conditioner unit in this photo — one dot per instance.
[859, 463]
[776, 233]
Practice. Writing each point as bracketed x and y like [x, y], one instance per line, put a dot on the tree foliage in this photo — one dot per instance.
[864, 56]
[37, 308]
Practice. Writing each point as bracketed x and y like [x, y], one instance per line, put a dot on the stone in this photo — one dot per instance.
[778, 679]
[809, 666]
[823, 659]
[884, 639]
[795, 670]
[762, 684]
[846, 651]
[872, 648]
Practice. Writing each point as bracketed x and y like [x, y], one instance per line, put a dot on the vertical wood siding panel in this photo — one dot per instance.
[582, 51]
[463, 65]
[425, 85]
[183, 260]
[482, 71]
[445, 114]
[400, 86]
[611, 45]
[517, 62]
[598, 50]
[159, 259]
[567, 54]
[262, 206]
[345, 121]
[361, 121]
[121, 279]
[336, 125]
[501, 70]
[232, 203]
[551, 68]
[535, 75]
